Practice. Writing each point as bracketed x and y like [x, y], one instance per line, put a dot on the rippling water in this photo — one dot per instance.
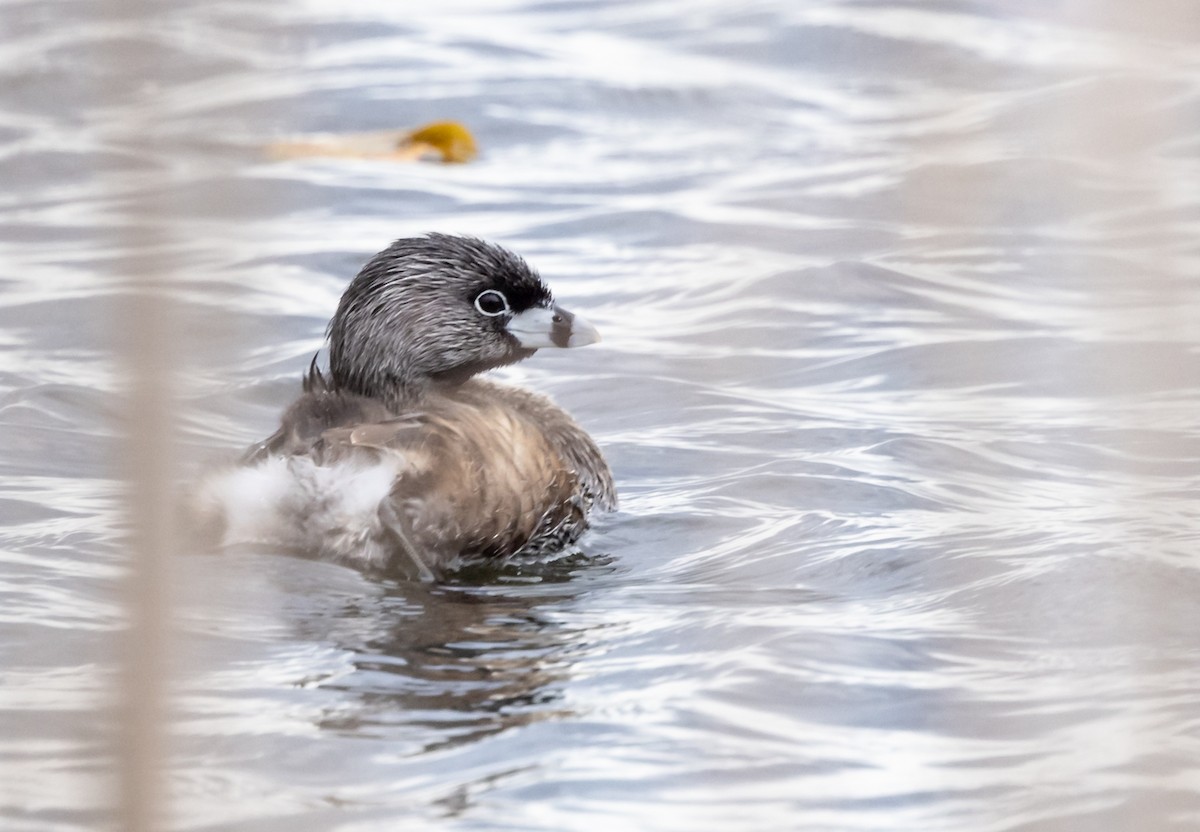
[900, 384]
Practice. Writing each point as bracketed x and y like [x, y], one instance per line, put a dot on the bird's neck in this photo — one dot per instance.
[403, 394]
[412, 393]
[402, 391]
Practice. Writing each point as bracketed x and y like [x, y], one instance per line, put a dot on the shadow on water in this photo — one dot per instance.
[452, 663]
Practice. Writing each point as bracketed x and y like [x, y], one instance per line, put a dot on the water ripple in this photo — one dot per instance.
[899, 382]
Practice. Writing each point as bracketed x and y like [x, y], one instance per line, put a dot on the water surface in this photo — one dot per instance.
[900, 385]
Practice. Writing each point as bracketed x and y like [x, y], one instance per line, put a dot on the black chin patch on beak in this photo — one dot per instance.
[560, 331]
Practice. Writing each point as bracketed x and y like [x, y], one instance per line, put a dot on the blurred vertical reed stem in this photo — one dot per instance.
[147, 453]
[143, 347]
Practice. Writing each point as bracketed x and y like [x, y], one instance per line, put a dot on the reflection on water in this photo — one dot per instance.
[899, 383]
[437, 667]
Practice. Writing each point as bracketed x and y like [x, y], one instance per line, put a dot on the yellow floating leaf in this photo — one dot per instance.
[444, 141]
[449, 138]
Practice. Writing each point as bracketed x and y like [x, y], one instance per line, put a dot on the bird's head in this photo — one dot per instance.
[439, 309]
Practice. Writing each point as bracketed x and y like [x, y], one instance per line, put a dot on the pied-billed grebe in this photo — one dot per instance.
[400, 459]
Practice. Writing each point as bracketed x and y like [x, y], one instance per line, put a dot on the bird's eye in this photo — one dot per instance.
[491, 303]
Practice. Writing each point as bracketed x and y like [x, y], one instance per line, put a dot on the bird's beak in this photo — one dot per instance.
[551, 327]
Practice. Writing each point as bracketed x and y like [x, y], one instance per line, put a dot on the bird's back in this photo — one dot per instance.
[478, 470]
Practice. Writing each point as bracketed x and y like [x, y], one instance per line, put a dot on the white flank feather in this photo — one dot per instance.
[295, 503]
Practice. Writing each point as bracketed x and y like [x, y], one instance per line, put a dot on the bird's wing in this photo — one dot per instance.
[305, 424]
[392, 434]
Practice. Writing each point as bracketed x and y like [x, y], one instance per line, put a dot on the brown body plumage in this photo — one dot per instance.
[399, 459]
